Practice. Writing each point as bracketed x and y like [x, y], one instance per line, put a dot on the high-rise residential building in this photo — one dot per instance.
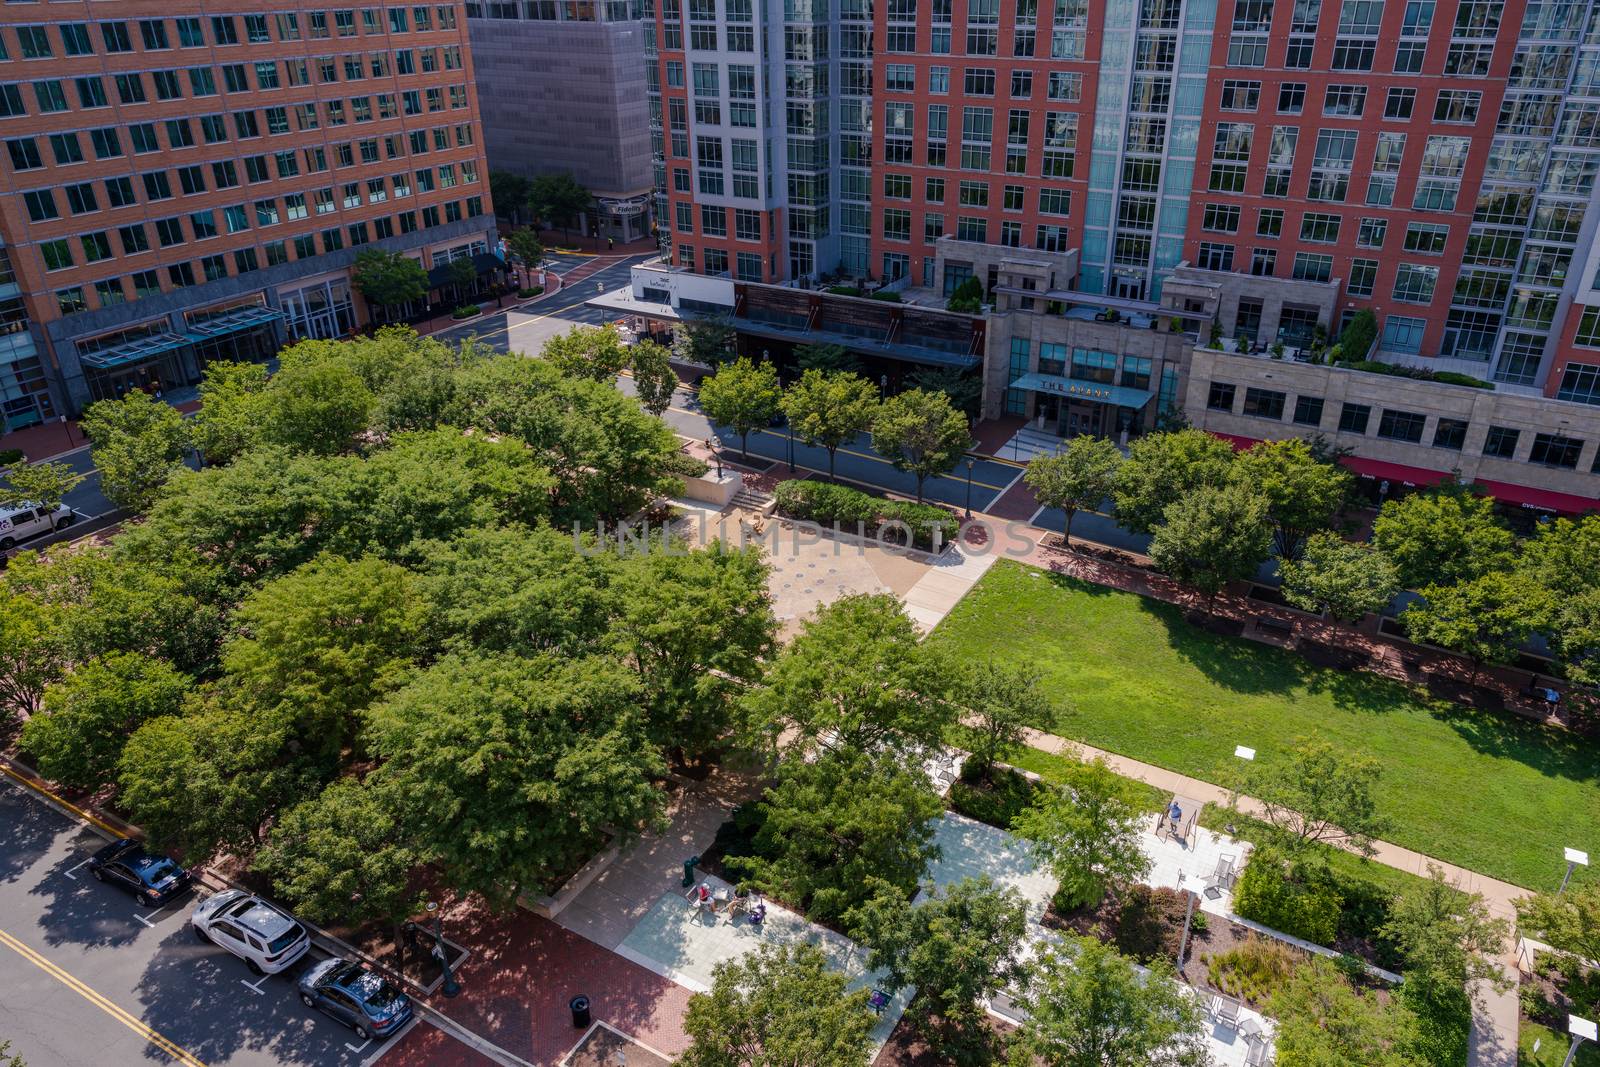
[191, 181]
[561, 84]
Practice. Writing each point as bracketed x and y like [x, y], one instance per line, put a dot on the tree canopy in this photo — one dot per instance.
[1318, 793]
[138, 443]
[1304, 491]
[388, 278]
[920, 433]
[1213, 535]
[1161, 468]
[830, 409]
[1079, 478]
[742, 396]
[1346, 579]
[1087, 832]
[1441, 537]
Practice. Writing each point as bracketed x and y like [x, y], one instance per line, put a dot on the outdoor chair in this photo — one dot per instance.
[1225, 1009]
[1221, 878]
[1258, 1053]
[877, 1001]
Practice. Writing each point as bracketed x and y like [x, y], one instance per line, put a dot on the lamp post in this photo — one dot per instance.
[1575, 859]
[970, 462]
[451, 987]
[788, 430]
[883, 387]
[1581, 1030]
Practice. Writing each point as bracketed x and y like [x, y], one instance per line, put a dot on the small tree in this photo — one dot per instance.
[1162, 467]
[1441, 537]
[1318, 793]
[957, 947]
[509, 192]
[1079, 478]
[780, 1006]
[705, 342]
[139, 443]
[921, 434]
[34, 638]
[388, 279]
[1570, 924]
[1574, 633]
[1087, 832]
[654, 380]
[1088, 1006]
[462, 278]
[1485, 619]
[231, 410]
[558, 198]
[1002, 702]
[1346, 579]
[78, 735]
[1323, 1021]
[1358, 334]
[1303, 492]
[587, 352]
[525, 246]
[44, 485]
[826, 357]
[830, 410]
[742, 396]
[967, 297]
[1212, 536]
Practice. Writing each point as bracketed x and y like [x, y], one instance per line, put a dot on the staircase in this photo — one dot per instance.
[751, 500]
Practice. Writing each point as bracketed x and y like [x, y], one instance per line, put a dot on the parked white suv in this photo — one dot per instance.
[250, 928]
[19, 522]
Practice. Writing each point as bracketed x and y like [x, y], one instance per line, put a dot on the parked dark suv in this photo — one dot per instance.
[368, 1003]
[151, 879]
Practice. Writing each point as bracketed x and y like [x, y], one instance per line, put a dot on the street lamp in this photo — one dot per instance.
[451, 987]
[883, 387]
[1581, 1030]
[970, 462]
[1574, 859]
[788, 430]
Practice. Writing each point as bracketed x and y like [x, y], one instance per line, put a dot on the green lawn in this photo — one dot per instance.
[1552, 1048]
[1492, 793]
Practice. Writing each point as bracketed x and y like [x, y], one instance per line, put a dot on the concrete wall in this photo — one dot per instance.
[1479, 408]
[565, 96]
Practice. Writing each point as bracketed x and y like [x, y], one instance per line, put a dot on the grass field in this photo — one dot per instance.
[1492, 793]
[1552, 1048]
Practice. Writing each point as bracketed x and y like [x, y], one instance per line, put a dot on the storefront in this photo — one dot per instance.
[153, 358]
[1073, 408]
[322, 310]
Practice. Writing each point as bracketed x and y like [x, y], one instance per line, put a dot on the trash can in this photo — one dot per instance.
[688, 870]
[580, 1011]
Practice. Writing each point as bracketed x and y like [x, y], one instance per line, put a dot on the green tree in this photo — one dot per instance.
[779, 1006]
[510, 193]
[921, 434]
[1318, 794]
[967, 297]
[1210, 537]
[654, 380]
[1079, 478]
[499, 786]
[138, 443]
[32, 644]
[388, 279]
[706, 342]
[742, 396]
[830, 358]
[1087, 832]
[830, 409]
[1443, 536]
[1574, 634]
[1161, 468]
[558, 198]
[315, 403]
[1561, 556]
[696, 628]
[1303, 492]
[957, 947]
[77, 737]
[1089, 1006]
[525, 247]
[343, 857]
[1002, 701]
[1324, 1022]
[232, 407]
[843, 828]
[1486, 618]
[323, 642]
[587, 352]
[1358, 334]
[1568, 922]
[461, 277]
[963, 387]
[1346, 579]
[41, 484]
[857, 678]
[8, 1059]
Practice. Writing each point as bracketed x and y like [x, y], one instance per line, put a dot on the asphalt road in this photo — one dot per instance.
[87, 977]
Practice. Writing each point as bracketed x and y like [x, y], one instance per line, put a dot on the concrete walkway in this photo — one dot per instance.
[1493, 1039]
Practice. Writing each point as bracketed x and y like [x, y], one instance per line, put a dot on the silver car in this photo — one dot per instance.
[266, 939]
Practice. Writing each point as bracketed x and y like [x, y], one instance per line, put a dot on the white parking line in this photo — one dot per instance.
[146, 918]
[390, 1043]
[358, 1049]
[256, 989]
[69, 873]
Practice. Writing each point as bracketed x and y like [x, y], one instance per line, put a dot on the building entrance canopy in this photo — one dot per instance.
[1094, 392]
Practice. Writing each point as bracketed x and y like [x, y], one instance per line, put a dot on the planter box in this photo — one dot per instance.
[551, 906]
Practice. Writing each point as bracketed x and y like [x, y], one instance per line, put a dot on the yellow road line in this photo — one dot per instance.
[51, 797]
[177, 1052]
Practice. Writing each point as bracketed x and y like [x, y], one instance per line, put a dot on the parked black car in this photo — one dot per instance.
[152, 879]
[368, 1003]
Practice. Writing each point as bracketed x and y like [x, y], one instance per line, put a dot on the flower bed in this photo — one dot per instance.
[466, 312]
[828, 504]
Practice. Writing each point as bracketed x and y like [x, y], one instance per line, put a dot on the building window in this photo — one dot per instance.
[1580, 382]
[1501, 442]
[1353, 418]
[1414, 283]
[1263, 261]
[1402, 334]
[1320, 228]
[1428, 238]
[1399, 104]
[1308, 410]
[1553, 450]
[1344, 101]
[1401, 425]
[1312, 268]
[1240, 95]
[1221, 218]
[1221, 396]
[1291, 98]
[1215, 256]
[1363, 276]
[1264, 404]
[1450, 433]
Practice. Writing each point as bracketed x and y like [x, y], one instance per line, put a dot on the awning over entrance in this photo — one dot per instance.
[233, 322]
[1395, 472]
[483, 263]
[1540, 499]
[134, 351]
[1055, 385]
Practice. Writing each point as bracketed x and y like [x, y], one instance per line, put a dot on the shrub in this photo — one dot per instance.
[1453, 378]
[996, 805]
[466, 311]
[886, 296]
[534, 290]
[1266, 894]
[828, 504]
[844, 290]
[8, 456]
[1254, 970]
[1150, 922]
[1359, 333]
[967, 298]
[923, 519]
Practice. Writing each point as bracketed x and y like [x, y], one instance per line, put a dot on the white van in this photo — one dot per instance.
[18, 522]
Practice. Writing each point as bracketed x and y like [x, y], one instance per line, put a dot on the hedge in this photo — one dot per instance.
[828, 504]
[1395, 370]
[1265, 894]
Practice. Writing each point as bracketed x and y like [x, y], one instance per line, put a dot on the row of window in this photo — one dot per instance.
[714, 221]
[113, 37]
[1316, 227]
[748, 265]
[1060, 85]
[1408, 427]
[1350, 101]
[146, 283]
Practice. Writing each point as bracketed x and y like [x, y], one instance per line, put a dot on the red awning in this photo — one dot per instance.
[1399, 473]
[1239, 444]
[1540, 499]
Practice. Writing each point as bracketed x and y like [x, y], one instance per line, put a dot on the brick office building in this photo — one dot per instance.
[190, 181]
